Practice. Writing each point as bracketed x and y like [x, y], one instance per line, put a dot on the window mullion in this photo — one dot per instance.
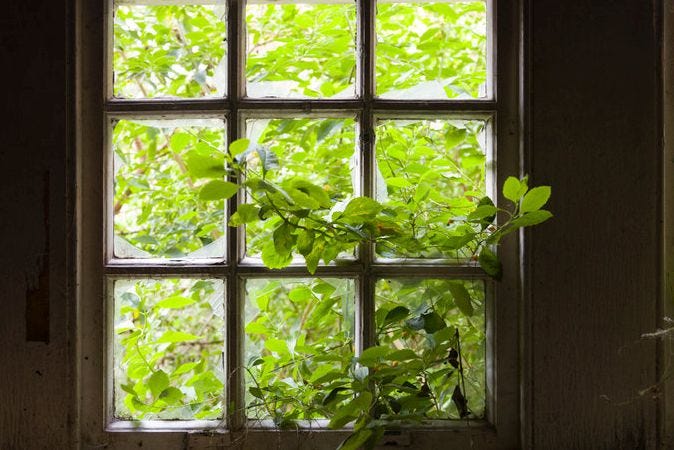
[365, 310]
[234, 385]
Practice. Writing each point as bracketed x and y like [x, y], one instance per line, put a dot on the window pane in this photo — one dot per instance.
[431, 50]
[320, 151]
[429, 174]
[159, 168]
[301, 50]
[442, 322]
[299, 345]
[170, 51]
[168, 341]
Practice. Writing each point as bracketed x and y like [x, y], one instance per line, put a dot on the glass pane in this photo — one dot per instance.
[320, 151]
[170, 51]
[299, 345]
[158, 172]
[168, 344]
[431, 50]
[301, 50]
[442, 323]
[429, 174]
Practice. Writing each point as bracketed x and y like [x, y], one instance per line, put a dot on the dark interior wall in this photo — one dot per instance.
[594, 268]
[34, 387]
[594, 279]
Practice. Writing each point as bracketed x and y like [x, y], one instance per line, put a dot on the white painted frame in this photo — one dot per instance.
[94, 108]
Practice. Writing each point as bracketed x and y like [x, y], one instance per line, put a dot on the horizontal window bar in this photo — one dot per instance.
[354, 269]
[209, 106]
[305, 105]
[255, 2]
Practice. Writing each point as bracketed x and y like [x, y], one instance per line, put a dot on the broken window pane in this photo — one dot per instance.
[431, 50]
[160, 167]
[429, 174]
[299, 345]
[301, 50]
[168, 349]
[318, 151]
[436, 326]
[169, 51]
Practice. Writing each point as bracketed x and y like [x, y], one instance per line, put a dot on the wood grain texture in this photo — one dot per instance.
[34, 386]
[595, 272]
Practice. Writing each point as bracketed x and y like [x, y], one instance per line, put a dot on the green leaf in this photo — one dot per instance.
[277, 345]
[175, 302]
[490, 263]
[300, 294]
[256, 392]
[373, 355]
[531, 218]
[350, 411]
[399, 182]
[356, 440]
[315, 192]
[205, 384]
[513, 190]
[179, 141]
[204, 166]
[360, 210]
[314, 257]
[302, 199]
[396, 314]
[245, 213]
[184, 368]
[218, 190]
[461, 298]
[332, 395]
[171, 395]
[128, 388]
[305, 242]
[535, 199]
[176, 336]
[267, 158]
[433, 322]
[482, 212]
[488, 219]
[158, 381]
[272, 259]
[284, 240]
[239, 146]
[402, 355]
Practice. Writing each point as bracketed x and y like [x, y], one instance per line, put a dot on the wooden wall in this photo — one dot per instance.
[35, 392]
[594, 271]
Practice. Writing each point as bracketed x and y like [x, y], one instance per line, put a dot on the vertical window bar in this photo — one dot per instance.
[365, 310]
[234, 386]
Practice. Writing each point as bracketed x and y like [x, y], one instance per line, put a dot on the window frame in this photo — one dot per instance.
[94, 108]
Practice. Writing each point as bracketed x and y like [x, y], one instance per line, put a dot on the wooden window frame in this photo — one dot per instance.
[95, 107]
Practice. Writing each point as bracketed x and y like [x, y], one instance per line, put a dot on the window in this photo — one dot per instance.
[358, 99]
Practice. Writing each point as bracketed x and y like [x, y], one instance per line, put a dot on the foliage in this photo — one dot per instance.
[168, 342]
[157, 210]
[298, 182]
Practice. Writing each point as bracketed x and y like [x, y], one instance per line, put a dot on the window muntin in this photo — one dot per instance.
[365, 151]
